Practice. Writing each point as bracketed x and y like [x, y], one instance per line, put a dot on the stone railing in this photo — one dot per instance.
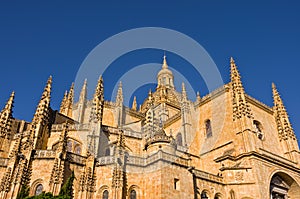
[106, 160]
[135, 160]
[41, 154]
[75, 158]
[143, 162]
[127, 132]
[133, 134]
[160, 137]
[3, 162]
[59, 127]
[181, 148]
[207, 176]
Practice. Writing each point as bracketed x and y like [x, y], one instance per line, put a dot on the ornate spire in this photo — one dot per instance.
[41, 113]
[183, 92]
[165, 65]
[134, 104]
[63, 103]
[285, 130]
[98, 102]
[165, 76]
[67, 102]
[70, 101]
[5, 117]
[240, 105]
[83, 92]
[121, 139]
[62, 146]
[150, 99]
[119, 98]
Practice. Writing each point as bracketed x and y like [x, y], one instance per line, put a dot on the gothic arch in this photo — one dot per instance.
[282, 184]
[218, 196]
[101, 190]
[34, 185]
[137, 189]
[207, 192]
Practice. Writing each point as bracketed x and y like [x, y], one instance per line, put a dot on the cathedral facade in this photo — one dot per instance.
[225, 145]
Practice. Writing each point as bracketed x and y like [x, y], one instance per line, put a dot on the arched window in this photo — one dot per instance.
[208, 129]
[70, 146]
[77, 149]
[218, 196]
[204, 195]
[39, 189]
[132, 194]
[105, 194]
[179, 139]
[232, 194]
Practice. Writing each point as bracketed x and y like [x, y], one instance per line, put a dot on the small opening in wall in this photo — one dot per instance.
[176, 184]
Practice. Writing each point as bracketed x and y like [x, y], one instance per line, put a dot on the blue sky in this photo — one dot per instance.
[42, 38]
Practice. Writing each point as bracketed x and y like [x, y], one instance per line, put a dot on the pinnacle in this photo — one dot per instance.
[232, 60]
[134, 104]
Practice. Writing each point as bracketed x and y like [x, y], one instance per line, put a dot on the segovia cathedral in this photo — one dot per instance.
[225, 145]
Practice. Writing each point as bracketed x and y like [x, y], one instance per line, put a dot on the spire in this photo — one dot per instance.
[5, 117]
[63, 103]
[165, 76]
[165, 65]
[183, 92]
[134, 104]
[41, 113]
[67, 102]
[98, 102]
[70, 101]
[83, 92]
[119, 98]
[285, 130]
[240, 105]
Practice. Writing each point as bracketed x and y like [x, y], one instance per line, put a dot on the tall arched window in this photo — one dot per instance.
[132, 194]
[232, 194]
[105, 194]
[39, 189]
[208, 129]
[179, 139]
[70, 146]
